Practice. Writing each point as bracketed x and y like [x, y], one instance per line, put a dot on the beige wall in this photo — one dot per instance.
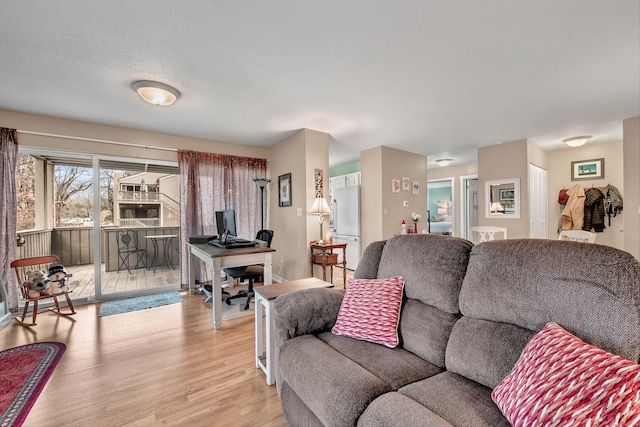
[92, 131]
[382, 209]
[293, 229]
[455, 172]
[559, 176]
[631, 150]
[504, 161]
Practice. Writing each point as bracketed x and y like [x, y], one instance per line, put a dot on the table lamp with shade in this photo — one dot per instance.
[321, 208]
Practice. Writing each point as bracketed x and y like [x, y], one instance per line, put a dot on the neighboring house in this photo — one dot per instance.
[146, 199]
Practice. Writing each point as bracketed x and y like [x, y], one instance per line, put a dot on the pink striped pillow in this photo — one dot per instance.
[370, 310]
[561, 380]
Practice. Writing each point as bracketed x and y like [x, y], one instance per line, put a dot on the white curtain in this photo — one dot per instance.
[9, 212]
[212, 182]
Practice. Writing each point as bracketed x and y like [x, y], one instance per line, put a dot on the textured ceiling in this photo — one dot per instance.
[436, 77]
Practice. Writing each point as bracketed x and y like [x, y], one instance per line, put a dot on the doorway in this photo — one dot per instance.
[60, 213]
[469, 208]
[440, 205]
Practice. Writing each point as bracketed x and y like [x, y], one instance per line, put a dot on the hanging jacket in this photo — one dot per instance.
[594, 210]
[612, 201]
[573, 213]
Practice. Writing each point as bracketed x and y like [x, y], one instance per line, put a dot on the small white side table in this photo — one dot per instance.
[265, 298]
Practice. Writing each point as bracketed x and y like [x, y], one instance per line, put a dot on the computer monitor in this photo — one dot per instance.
[226, 221]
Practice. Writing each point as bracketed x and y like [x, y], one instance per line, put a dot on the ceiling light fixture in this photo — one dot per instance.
[443, 162]
[576, 141]
[156, 93]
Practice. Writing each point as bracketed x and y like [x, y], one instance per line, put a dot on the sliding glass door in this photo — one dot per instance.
[59, 213]
[140, 227]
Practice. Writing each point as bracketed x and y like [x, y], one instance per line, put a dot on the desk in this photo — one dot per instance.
[323, 255]
[265, 297]
[167, 240]
[217, 259]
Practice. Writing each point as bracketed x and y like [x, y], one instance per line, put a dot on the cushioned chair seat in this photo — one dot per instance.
[457, 399]
[394, 409]
[334, 388]
[396, 367]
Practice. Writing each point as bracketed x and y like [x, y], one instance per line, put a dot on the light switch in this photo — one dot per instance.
[405, 203]
[299, 211]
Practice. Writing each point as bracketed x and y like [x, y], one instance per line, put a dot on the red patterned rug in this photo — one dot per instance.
[25, 371]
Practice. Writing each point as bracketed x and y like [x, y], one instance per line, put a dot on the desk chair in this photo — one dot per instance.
[486, 233]
[577, 236]
[249, 272]
[21, 266]
[128, 246]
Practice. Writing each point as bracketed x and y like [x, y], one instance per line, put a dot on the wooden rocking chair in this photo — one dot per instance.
[21, 266]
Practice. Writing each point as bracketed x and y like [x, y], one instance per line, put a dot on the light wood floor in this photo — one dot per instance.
[162, 366]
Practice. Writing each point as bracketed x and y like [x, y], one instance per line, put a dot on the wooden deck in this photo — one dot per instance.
[140, 279]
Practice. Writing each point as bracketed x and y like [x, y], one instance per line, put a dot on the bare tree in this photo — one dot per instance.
[70, 181]
[25, 184]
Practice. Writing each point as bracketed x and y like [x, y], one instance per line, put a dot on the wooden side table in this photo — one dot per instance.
[323, 255]
[265, 298]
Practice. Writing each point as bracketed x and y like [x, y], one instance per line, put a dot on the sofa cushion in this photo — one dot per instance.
[336, 389]
[394, 409]
[561, 380]
[368, 265]
[436, 282]
[396, 367]
[592, 290]
[485, 351]
[370, 310]
[424, 330]
[457, 400]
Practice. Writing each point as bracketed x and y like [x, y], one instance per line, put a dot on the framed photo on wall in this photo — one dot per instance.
[406, 183]
[507, 194]
[416, 187]
[395, 185]
[284, 190]
[318, 182]
[587, 169]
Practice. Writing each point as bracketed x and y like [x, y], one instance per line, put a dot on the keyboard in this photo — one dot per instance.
[232, 243]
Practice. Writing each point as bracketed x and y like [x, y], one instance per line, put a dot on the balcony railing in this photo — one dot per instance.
[139, 196]
[74, 245]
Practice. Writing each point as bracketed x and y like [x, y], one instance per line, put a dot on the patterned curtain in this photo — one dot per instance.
[213, 182]
[9, 212]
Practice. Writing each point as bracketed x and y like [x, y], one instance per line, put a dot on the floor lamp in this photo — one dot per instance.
[262, 183]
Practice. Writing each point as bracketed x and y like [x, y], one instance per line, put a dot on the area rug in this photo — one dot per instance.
[25, 371]
[119, 306]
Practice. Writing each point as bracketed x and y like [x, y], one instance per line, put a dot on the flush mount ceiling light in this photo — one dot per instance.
[576, 141]
[156, 93]
[443, 162]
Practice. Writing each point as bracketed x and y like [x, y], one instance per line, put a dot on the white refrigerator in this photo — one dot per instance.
[345, 204]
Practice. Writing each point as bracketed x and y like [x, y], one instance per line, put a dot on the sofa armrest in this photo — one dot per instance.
[306, 312]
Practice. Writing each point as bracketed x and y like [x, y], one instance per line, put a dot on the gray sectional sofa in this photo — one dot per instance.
[468, 312]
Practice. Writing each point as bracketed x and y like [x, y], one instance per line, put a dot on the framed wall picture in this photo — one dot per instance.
[318, 182]
[406, 183]
[507, 194]
[395, 185]
[587, 169]
[416, 187]
[284, 190]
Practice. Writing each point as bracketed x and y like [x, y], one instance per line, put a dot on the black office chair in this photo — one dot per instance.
[127, 246]
[249, 272]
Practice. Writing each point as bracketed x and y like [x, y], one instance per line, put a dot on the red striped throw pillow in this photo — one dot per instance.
[560, 380]
[370, 310]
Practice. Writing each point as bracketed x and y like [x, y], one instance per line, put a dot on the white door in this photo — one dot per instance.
[537, 202]
[469, 185]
